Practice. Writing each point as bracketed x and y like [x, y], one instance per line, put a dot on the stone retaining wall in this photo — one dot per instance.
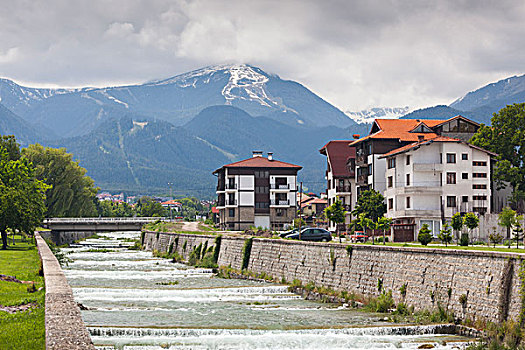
[66, 237]
[65, 328]
[489, 281]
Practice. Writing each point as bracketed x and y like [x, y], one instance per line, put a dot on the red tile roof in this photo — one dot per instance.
[171, 202]
[261, 162]
[414, 145]
[338, 153]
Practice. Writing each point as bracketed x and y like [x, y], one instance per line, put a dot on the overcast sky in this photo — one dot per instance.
[354, 54]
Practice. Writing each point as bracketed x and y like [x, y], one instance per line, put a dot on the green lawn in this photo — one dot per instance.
[452, 246]
[21, 330]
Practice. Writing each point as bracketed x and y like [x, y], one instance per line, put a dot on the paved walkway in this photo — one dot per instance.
[65, 329]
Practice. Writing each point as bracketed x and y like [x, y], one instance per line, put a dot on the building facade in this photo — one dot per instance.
[428, 181]
[258, 191]
[340, 177]
[390, 134]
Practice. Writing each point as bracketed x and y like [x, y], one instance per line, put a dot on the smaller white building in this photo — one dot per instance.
[428, 181]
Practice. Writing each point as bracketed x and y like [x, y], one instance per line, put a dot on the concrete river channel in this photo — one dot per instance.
[132, 300]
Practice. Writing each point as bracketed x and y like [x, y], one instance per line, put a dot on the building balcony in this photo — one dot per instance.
[231, 202]
[362, 179]
[361, 160]
[415, 213]
[279, 202]
[285, 187]
[343, 189]
[230, 187]
[428, 189]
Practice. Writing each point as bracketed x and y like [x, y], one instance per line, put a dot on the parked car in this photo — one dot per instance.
[358, 236]
[312, 234]
[295, 230]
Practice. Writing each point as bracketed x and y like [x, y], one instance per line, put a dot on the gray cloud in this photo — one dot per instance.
[355, 54]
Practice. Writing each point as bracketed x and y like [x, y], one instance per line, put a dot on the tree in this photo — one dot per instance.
[517, 231]
[471, 221]
[457, 224]
[22, 195]
[366, 223]
[336, 214]
[383, 224]
[506, 137]
[445, 234]
[72, 193]
[495, 237]
[506, 219]
[370, 203]
[147, 207]
[424, 236]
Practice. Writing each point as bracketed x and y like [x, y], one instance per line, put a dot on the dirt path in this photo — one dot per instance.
[190, 226]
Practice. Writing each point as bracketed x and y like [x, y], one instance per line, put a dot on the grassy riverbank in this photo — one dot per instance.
[21, 329]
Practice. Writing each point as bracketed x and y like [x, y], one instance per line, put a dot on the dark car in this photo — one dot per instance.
[295, 230]
[312, 234]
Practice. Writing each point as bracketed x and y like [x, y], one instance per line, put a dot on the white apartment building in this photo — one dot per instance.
[340, 177]
[430, 180]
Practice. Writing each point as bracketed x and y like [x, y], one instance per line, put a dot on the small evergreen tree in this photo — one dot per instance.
[495, 238]
[471, 221]
[517, 231]
[445, 234]
[424, 236]
[457, 224]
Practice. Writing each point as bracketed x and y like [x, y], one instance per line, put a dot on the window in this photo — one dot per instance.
[464, 156]
[479, 163]
[451, 157]
[408, 180]
[262, 174]
[479, 175]
[390, 181]
[279, 212]
[451, 178]
[479, 187]
[231, 213]
[261, 189]
[408, 159]
[479, 198]
[408, 203]
[390, 203]
[451, 201]
[261, 205]
[369, 169]
[464, 199]
[464, 176]
[441, 158]
[391, 163]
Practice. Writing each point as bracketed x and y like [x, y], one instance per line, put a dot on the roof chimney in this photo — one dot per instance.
[420, 138]
[270, 155]
[257, 154]
[356, 136]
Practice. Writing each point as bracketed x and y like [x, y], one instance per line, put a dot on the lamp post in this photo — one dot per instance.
[171, 198]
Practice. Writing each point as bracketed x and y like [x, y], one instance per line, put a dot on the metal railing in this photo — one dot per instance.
[344, 188]
[280, 187]
[231, 202]
[103, 220]
[230, 186]
[279, 202]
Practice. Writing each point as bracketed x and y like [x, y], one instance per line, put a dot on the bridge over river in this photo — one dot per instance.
[67, 230]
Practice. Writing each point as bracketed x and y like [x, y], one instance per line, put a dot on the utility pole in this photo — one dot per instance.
[171, 198]
[300, 208]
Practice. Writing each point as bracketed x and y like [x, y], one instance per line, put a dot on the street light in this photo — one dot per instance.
[171, 198]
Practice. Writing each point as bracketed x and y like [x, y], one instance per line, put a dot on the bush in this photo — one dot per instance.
[424, 236]
[384, 302]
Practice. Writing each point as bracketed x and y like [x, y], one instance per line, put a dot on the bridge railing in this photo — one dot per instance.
[103, 220]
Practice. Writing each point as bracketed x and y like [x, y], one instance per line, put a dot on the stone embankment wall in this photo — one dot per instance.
[65, 329]
[66, 237]
[474, 284]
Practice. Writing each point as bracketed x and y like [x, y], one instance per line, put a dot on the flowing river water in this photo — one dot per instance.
[134, 301]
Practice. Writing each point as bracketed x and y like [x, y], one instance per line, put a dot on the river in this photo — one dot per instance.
[134, 301]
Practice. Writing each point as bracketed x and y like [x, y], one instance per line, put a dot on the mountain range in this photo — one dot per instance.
[138, 138]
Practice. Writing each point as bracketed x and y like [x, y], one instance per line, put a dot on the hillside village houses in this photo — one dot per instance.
[425, 169]
[258, 191]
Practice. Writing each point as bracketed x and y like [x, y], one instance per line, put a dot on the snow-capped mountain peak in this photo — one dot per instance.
[367, 116]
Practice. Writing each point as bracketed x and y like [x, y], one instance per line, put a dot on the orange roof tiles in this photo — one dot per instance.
[261, 162]
[428, 142]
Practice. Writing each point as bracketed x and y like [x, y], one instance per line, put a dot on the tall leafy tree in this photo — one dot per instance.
[72, 193]
[383, 224]
[147, 207]
[506, 137]
[457, 223]
[336, 214]
[371, 203]
[471, 221]
[22, 195]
